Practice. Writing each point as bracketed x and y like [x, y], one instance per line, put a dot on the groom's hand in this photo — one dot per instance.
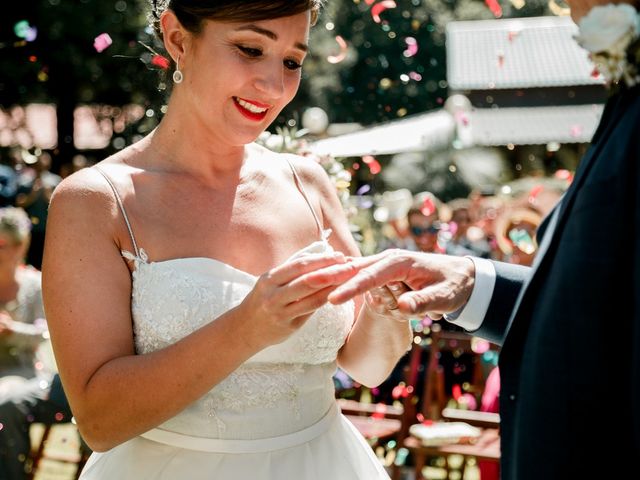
[438, 283]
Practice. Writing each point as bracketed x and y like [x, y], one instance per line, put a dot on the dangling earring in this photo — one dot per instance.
[177, 74]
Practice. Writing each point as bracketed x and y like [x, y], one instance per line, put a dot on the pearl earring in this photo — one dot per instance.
[178, 77]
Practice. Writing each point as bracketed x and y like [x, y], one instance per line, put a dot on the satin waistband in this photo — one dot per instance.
[260, 445]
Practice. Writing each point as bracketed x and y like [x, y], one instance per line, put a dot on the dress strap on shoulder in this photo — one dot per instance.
[137, 251]
[323, 233]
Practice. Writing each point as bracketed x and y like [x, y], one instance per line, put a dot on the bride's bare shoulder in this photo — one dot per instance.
[87, 191]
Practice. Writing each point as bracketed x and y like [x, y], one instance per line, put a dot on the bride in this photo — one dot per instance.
[190, 336]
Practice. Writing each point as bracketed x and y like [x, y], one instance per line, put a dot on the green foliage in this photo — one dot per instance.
[62, 62]
[377, 81]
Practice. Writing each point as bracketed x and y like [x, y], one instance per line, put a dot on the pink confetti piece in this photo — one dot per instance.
[462, 118]
[412, 47]
[564, 174]
[495, 7]
[343, 51]
[160, 61]
[479, 345]
[576, 131]
[102, 42]
[373, 164]
[415, 76]
[428, 207]
[380, 7]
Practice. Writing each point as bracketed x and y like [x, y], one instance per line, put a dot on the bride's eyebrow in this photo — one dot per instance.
[269, 34]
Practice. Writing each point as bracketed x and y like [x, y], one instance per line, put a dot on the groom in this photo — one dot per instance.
[570, 325]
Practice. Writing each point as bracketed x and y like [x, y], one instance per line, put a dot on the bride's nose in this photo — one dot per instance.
[270, 80]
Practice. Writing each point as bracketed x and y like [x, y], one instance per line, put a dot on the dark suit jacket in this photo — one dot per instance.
[570, 361]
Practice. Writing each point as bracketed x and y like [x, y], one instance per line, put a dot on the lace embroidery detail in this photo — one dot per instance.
[255, 385]
[168, 305]
[321, 340]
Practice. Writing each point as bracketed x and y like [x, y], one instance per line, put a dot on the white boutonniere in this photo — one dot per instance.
[610, 34]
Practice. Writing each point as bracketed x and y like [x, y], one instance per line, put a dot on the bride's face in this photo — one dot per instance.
[239, 76]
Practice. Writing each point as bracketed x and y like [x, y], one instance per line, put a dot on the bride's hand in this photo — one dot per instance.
[285, 297]
[383, 301]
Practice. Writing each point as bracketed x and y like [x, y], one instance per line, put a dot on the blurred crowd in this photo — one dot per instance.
[499, 225]
[30, 389]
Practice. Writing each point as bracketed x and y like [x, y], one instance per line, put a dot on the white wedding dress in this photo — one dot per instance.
[274, 418]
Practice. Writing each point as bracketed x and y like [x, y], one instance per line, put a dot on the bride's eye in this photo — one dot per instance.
[249, 51]
[292, 64]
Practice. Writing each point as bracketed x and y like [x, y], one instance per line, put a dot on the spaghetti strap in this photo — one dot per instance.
[137, 251]
[323, 233]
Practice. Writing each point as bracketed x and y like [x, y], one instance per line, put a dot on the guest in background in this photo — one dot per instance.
[464, 237]
[35, 187]
[425, 223]
[26, 379]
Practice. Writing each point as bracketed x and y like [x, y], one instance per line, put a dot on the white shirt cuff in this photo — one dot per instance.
[472, 314]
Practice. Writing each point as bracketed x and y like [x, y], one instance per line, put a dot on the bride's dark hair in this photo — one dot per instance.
[192, 13]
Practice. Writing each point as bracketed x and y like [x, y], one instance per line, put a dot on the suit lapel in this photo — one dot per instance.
[610, 118]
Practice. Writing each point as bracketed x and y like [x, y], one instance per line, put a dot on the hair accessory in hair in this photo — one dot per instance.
[159, 6]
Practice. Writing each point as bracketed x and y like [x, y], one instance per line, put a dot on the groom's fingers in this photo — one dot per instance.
[372, 276]
[340, 273]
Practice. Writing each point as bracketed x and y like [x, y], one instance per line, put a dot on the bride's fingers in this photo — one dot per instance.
[285, 273]
[332, 275]
[308, 304]
[429, 300]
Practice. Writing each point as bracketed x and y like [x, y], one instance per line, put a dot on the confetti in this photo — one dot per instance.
[21, 29]
[373, 164]
[102, 42]
[363, 190]
[564, 174]
[522, 240]
[343, 51]
[160, 61]
[479, 345]
[412, 47]
[380, 7]
[576, 131]
[495, 7]
[428, 207]
[32, 34]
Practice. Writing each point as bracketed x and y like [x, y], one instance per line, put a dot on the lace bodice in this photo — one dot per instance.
[278, 388]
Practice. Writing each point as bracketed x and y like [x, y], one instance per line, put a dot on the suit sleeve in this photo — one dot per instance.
[509, 281]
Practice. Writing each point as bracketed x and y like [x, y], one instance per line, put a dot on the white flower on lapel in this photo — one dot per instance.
[609, 33]
[608, 28]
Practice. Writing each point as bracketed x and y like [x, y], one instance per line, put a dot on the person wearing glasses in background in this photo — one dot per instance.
[424, 223]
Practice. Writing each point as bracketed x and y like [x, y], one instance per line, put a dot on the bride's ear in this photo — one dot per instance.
[175, 36]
